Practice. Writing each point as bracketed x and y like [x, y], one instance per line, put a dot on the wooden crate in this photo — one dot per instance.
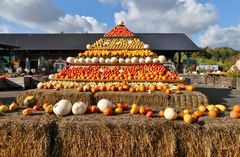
[16, 82]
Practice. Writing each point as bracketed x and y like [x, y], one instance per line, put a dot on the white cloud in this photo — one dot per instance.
[4, 29]
[43, 15]
[216, 36]
[188, 16]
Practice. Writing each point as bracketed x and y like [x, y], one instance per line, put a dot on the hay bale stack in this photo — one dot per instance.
[51, 96]
[23, 136]
[155, 99]
[222, 136]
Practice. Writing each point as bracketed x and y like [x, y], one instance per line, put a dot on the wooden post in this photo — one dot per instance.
[179, 61]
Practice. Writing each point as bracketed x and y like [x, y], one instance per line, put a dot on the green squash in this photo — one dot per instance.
[30, 101]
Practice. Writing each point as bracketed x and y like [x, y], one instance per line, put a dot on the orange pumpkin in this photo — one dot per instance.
[142, 88]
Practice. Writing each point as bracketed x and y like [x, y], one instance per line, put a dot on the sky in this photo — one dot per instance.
[213, 23]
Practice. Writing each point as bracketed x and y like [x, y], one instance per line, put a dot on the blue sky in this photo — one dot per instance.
[212, 23]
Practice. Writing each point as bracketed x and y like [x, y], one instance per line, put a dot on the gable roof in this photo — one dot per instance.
[7, 46]
[157, 41]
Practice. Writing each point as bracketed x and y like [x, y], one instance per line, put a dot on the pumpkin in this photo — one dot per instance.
[88, 60]
[101, 60]
[79, 108]
[108, 60]
[81, 60]
[162, 59]
[120, 23]
[70, 59]
[40, 85]
[127, 60]
[187, 118]
[234, 114]
[170, 114]
[88, 46]
[51, 76]
[148, 60]
[29, 101]
[114, 60]
[236, 108]
[13, 106]
[121, 60]
[141, 60]
[134, 60]
[94, 60]
[75, 60]
[27, 112]
[103, 104]
[49, 109]
[108, 111]
[3, 108]
[146, 46]
[155, 60]
[62, 108]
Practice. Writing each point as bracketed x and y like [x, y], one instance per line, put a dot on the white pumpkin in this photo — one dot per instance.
[120, 23]
[162, 59]
[101, 60]
[88, 60]
[134, 60]
[155, 60]
[95, 60]
[76, 60]
[121, 60]
[107, 60]
[104, 103]
[146, 46]
[88, 46]
[70, 59]
[79, 108]
[81, 60]
[141, 60]
[148, 60]
[170, 114]
[86, 88]
[127, 60]
[62, 108]
[40, 85]
[51, 76]
[114, 60]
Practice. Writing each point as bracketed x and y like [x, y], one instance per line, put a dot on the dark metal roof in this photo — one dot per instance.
[157, 41]
[7, 46]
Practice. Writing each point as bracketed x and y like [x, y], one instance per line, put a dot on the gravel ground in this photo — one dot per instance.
[215, 94]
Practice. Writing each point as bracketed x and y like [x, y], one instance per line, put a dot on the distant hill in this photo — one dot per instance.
[225, 57]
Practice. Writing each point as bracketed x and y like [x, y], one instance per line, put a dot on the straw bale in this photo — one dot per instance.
[52, 96]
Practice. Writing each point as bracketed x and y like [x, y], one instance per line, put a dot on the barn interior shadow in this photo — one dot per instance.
[216, 95]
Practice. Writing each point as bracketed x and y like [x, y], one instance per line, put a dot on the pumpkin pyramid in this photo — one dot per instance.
[119, 56]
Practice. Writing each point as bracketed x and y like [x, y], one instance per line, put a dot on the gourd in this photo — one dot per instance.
[146, 46]
[101, 60]
[94, 60]
[103, 104]
[75, 60]
[162, 59]
[40, 85]
[88, 46]
[70, 59]
[170, 114]
[141, 60]
[62, 108]
[127, 60]
[29, 101]
[121, 60]
[134, 60]
[155, 60]
[51, 76]
[114, 60]
[81, 60]
[107, 60]
[88, 60]
[79, 108]
[148, 60]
